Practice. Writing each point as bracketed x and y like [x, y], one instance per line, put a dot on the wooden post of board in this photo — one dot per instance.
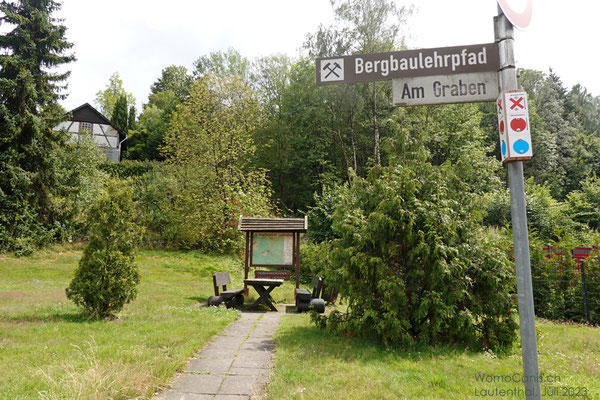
[297, 251]
[246, 266]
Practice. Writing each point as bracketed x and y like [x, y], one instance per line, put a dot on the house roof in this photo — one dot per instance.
[87, 113]
[273, 224]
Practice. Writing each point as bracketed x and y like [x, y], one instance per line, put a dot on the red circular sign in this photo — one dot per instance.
[518, 124]
[519, 19]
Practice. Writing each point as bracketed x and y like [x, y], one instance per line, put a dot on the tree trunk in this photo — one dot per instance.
[353, 143]
[376, 157]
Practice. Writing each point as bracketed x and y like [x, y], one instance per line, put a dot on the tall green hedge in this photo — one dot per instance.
[414, 263]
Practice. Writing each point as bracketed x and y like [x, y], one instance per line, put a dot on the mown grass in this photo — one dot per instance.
[314, 364]
[49, 350]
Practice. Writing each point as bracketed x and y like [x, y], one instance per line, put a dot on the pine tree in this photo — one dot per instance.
[119, 115]
[131, 124]
[29, 109]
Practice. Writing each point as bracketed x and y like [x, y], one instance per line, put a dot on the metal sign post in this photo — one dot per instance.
[508, 81]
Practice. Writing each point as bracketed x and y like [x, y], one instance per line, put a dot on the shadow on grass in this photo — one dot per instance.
[77, 317]
[71, 317]
[198, 299]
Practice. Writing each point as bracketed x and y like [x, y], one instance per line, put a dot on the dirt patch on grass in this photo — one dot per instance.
[12, 294]
[44, 297]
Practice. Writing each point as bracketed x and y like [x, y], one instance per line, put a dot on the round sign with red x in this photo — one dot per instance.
[518, 12]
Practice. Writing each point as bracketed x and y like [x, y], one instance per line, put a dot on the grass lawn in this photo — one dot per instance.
[48, 350]
[314, 364]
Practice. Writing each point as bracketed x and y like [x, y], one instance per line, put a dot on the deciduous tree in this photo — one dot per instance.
[107, 98]
[209, 148]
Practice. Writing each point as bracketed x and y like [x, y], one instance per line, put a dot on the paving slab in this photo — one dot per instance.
[174, 395]
[217, 352]
[259, 361]
[239, 384]
[198, 383]
[209, 365]
[249, 371]
[235, 365]
[228, 341]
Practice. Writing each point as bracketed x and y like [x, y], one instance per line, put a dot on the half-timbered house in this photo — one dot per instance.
[86, 120]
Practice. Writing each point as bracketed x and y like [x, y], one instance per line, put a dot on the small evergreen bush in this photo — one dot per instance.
[107, 277]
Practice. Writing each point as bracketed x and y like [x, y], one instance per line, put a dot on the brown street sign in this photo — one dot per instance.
[409, 63]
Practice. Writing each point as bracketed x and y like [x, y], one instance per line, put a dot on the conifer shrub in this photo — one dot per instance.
[107, 277]
[415, 265]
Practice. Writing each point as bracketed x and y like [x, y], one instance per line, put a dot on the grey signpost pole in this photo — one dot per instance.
[508, 81]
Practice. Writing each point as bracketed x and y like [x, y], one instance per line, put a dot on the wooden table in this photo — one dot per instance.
[264, 287]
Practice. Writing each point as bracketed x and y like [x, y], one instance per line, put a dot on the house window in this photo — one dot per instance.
[86, 127]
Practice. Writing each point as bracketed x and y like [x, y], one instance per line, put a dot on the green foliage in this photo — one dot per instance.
[107, 277]
[176, 79]
[584, 204]
[321, 215]
[592, 271]
[362, 26]
[209, 149]
[545, 215]
[79, 182]
[547, 218]
[107, 99]
[119, 114]
[315, 260]
[445, 134]
[147, 139]
[147, 136]
[297, 146]
[131, 123]
[32, 44]
[558, 282]
[414, 263]
[155, 193]
[564, 130]
[129, 168]
[228, 63]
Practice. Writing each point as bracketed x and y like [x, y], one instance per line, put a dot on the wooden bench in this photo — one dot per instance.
[231, 297]
[305, 299]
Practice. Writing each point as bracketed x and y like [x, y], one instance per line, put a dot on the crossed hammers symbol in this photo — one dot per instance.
[516, 103]
[331, 70]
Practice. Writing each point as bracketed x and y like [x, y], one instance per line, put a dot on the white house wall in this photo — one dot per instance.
[105, 136]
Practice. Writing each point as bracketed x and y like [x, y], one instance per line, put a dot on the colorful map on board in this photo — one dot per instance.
[272, 249]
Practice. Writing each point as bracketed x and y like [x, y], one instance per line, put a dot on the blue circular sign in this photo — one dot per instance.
[503, 148]
[521, 146]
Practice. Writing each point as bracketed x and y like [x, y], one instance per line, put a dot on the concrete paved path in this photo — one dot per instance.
[235, 365]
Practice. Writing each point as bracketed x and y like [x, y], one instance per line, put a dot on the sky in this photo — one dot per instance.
[139, 38]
